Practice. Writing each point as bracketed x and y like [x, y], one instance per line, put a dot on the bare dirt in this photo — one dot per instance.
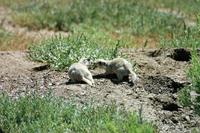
[161, 76]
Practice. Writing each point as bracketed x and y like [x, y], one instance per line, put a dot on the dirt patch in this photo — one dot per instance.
[161, 85]
[156, 91]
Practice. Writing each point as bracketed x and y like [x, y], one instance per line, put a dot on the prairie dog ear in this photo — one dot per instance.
[101, 63]
[85, 61]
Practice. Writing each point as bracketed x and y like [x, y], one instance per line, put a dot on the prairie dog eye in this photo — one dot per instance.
[101, 63]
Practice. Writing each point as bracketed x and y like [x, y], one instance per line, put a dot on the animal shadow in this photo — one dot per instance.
[112, 78]
[70, 82]
[40, 68]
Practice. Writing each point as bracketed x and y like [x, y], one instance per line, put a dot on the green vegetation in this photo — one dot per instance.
[126, 16]
[49, 114]
[184, 96]
[193, 74]
[60, 52]
[103, 23]
[194, 71]
[97, 29]
[195, 78]
[189, 8]
[117, 18]
[4, 35]
[125, 20]
[187, 39]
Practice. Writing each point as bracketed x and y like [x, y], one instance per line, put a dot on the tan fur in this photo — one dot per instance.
[79, 72]
[118, 66]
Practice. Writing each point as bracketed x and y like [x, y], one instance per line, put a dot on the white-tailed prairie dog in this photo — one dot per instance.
[118, 66]
[79, 72]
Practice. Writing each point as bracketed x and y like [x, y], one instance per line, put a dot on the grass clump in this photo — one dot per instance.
[185, 96]
[60, 52]
[195, 78]
[194, 71]
[4, 35]
[49, 114]
[193, 74]
[187, 39]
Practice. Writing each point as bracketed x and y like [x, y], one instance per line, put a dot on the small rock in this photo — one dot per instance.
[193, 95]
[187, 118]
[129, 92]
[164, 99]
[151, 96]
[108, 91]
[50, 84]
[174, 120]
[106, 95]
[83, 93]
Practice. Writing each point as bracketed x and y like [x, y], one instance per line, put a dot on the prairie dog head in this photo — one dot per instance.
[85, 61]
[101, 63]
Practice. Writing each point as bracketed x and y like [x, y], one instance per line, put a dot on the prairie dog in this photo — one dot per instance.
[118, 66]
[79, 72]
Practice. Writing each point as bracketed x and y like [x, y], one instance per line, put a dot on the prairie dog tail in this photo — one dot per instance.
[133, 77]
[87, 81]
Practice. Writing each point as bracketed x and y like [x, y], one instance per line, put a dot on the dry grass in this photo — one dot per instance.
[15, 41]
[147, 42]
[136, 40]
[18, 38]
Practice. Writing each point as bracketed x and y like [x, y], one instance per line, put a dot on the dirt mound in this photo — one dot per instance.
[156, 91]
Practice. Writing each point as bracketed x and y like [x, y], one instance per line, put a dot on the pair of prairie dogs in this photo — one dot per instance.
[119, 66]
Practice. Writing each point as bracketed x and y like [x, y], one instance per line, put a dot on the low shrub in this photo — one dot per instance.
[34, 113]
[60, 52]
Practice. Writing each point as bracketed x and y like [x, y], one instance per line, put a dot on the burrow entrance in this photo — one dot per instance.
[181, 54]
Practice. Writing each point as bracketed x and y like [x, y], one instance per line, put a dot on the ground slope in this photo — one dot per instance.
[161, 73]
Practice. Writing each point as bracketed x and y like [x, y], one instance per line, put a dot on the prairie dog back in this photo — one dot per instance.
[118, 66]
[79, 72]
[118, 63]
